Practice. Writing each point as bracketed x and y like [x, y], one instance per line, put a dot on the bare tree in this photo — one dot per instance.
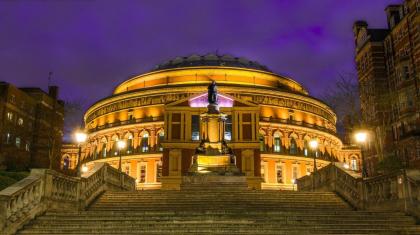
[73, 116]
[343, 97]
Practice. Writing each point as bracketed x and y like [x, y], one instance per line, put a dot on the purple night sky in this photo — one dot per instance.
[91, 46]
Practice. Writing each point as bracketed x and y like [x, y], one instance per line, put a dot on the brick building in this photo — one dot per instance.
[31, 127]
[388, 64]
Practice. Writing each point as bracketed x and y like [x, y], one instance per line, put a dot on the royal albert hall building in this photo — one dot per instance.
[270, 121]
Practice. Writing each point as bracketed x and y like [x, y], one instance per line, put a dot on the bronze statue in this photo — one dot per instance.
[212, 93]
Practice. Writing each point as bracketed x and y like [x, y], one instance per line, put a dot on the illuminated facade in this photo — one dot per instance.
[270, 121]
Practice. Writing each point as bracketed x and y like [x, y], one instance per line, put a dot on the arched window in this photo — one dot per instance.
[161, 136]
[115, 145]
[353, 164]
[145, 142]
[293, 146]
[305, 148]
[277, 142]
[262, 143]
[129, 143]
[104, 153]
[95, 152]
[66, 163]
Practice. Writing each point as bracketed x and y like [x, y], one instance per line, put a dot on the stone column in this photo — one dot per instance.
[135, 139]
[270, 139]
[152, 138]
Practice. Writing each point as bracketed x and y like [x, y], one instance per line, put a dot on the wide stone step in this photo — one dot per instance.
[224, 230]
[226, 194]
[216, 224]
[277, 221]
[221, 212]
[223, 203]
[152, 199]
[92, 213]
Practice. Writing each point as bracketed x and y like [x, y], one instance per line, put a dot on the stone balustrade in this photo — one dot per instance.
[399, 190]
[47, 190]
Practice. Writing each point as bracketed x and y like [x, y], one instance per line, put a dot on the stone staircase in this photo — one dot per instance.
[223, 211]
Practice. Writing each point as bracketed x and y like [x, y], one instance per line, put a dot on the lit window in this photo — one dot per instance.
[262, 143]
[279, 173]
[18, 142]
[161, 137]
[293, 146]
[295, 172]
[264, 174]
[104, 150]
[9, 116]
[305, 148]
[158, 171]
[195, 127]
[228, 128]
[277, 145]
[27, 146]
[129, 144]
[142, 172]
[66, 163]
[353, 164]
[8, 137]
[145, 142]
[20, 121]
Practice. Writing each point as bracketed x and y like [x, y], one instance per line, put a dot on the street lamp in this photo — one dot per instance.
[293, 182]
[120, 146]
[85, 169]
[313, 144]
[346, 166]
[361, 138]
[80, 137]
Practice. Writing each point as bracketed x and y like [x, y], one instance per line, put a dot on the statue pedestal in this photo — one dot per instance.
[213, 182]
[213, 165]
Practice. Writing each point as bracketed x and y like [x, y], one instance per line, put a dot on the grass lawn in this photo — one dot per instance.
[8, 178]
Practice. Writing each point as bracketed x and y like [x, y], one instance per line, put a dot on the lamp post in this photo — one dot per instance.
[80, 137]
[361, 138]
[313, 144]
[293, 182]
[120, 146]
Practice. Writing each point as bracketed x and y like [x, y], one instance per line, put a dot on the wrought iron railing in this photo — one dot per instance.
[127, 122]
[111, 154]
[297, 123]
[299, 153]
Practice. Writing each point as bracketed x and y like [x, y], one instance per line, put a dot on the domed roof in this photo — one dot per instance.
[210, 60]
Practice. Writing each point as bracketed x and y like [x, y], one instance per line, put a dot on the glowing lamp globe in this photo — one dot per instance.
[85, 169]
[121, 144]
[361, 137]
[80, 137]
[313, 144]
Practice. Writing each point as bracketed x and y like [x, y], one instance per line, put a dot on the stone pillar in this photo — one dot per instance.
[135, 139]
[270, 139]
[152, 138]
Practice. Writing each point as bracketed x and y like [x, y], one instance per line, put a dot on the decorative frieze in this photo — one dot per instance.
[137, 102]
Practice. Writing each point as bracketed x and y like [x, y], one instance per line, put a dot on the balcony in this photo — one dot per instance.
[300, 153]
[127, 122]
[132, 152]
[297, 123]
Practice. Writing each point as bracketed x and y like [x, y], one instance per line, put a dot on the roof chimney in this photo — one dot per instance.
[53, 92]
